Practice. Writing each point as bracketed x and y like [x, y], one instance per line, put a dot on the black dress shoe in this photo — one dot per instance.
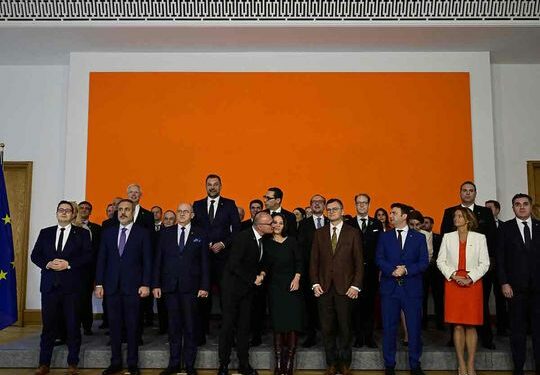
[417, 371]
[358, 342]
[309, 342]
[255, 341]
[170, 371]
[112, 370]
[389, 371]
[370, 343]
[247, 370]
[489, 345]
[133, 370]
[223, 370]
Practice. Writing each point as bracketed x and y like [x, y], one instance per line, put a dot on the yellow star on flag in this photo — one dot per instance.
[13, 264]
[3, 275]
[7, 219]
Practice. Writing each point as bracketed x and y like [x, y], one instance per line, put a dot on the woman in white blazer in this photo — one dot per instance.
[463, 260]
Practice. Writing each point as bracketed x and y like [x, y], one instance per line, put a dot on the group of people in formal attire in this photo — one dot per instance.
[313, 269]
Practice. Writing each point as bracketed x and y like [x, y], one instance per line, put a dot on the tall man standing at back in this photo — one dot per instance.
[123, 273]
[336, 271]
[218, 217]
[273, 200]
[62, 252]
[486, 226]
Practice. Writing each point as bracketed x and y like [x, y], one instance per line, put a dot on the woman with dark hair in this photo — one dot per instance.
[382, 215]
[463, 260]
[300, 214]
[283, 266]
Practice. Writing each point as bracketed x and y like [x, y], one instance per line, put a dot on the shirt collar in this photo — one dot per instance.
[404, 230]
[257, 235]
[338, 226]
[471, 207]
[529, 221]
[187, 227]
[216, 200]
[67, 227]
[128, 227]
[278, 210]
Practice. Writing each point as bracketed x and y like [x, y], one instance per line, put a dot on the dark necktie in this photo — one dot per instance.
[122, 243]
[319, 223]
[363, 225]
[211, 211]
[260, 249]
[182, 241]
[527, 235]
[334, 240]
[60, 241]
[399, 238]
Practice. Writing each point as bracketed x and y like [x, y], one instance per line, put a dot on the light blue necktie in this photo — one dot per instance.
[122, 243]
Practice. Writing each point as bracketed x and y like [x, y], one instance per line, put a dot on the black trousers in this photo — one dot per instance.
[434, 282]
[363, 310]
[236, 314]
[124, 311]
[312, 309]
[182, 308]
[525, 303]
[87, 291]
[484, 332]
[335, 314]
[501, 309]
[205, 304]
[258, 311]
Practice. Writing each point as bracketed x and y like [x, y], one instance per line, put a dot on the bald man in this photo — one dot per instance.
[181, 275]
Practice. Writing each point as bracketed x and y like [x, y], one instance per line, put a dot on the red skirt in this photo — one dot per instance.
[463, 304]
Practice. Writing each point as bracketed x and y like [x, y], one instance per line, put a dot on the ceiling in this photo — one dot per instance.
[51, 45]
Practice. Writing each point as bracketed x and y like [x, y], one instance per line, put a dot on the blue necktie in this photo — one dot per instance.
[182, 240]
[318, 222]
[122, 243]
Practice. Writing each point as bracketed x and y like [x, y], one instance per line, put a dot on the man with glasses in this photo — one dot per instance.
[364, 307]
[61, 252]
[242, 275]
[306, 230]
[273, 200]
[336, 271]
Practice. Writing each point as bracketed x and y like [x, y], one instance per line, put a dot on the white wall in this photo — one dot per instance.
[33, 107]
[516, 107]
[33, 102]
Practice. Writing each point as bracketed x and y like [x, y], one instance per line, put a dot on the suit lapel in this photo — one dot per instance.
[517, 234]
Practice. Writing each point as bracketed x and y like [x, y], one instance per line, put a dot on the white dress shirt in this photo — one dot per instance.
[209, 203]
[338, 229]
[187, 228]
[276, 211]
[64, 239]
[521, 227]
[404, 232]
[136, 212]
[315, 220]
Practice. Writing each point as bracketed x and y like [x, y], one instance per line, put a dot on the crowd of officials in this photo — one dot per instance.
[314, 270]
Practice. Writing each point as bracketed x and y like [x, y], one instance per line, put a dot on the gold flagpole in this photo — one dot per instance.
[2, 145]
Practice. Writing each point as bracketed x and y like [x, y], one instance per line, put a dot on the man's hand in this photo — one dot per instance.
[352, 293]
[202, 294]
[507, 291]
[156, 292]
[318, 290]
[217, 247]
[144, 291]
[62, 264]
[98, 292]
[399, 271]
[259, 279]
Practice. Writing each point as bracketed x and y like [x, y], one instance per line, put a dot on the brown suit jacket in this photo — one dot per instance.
[343, 269]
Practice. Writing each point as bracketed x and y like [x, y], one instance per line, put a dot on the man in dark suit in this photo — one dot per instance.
[62, 252]
[402, 257]
[240, 278]
[123, 274]
[501, 305]
[433, 278]
[273, 200]
[160, 303]
[336, 271]
[218, 217]
[255, 206]
[158, 216]
[306, 231]
[364, 307]
[518, 259]
[169, 219]
[181, 275]
[89, 273]
[486, 226]
[113, 220]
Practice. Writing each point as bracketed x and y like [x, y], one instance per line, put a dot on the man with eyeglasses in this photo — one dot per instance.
[273, 200]
[61, 252]
[306, 231]
[242, 275]
[336, 271]
[518, 259]
[364, 307]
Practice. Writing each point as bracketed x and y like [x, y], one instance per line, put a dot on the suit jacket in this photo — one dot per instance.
[516, 265]
[244, 263]
[186, 271]
[127, 273]
[145, 219]
[476, 255]
[95, 229]
[291, 221]
[343, 269]
[246, 224]
[77, 252]
[369, 237]
[306, 231]
[226, 223]
[414, 256]
[486, 224]
[111, 221]
[437, 240]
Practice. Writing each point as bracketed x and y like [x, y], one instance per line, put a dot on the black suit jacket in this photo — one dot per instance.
[437, 240]
[127, 273]
[306, 230]
[145, 219]
[186, 271]
[226, 223]
[111, 221]
[246, 224]
[291, 221]
[369, 237]
[244, 264]
[96, 239]
[517, 265]
[77, 252]
[486, 224]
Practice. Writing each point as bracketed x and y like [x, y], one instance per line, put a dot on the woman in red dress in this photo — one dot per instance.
[463, 260]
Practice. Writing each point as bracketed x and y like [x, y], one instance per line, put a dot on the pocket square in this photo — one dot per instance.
[197, 240]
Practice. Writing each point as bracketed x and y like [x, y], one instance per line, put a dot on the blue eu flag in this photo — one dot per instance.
[8, 284]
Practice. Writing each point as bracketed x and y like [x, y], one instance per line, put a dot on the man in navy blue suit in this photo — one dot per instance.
[218, 218]
[123, 273]
[62, 252]
[181, 275]
[402, 257]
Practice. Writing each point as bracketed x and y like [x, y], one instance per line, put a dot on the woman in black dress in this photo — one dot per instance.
[283, 265]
